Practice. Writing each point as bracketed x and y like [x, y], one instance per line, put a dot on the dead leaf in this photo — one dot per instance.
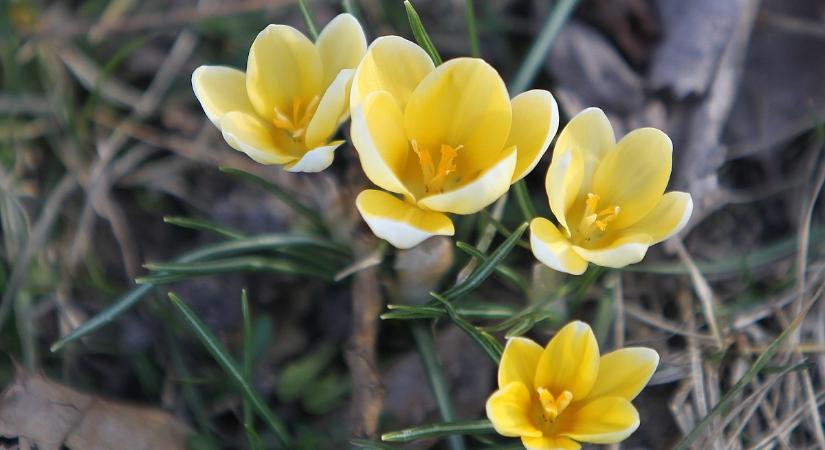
[49, 415]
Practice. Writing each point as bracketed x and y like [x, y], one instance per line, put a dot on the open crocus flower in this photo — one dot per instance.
[608, 197]
[288, 105]
[557, 396]
[447, 139]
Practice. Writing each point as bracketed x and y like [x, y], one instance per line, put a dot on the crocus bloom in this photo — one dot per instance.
[565, 393]
[288, 105]
[608, 197]
[447, 139]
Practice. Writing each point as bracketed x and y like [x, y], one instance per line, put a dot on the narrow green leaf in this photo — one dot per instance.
[204, 225]
[309, 18]
[485, 269]
[370, 445]
[472, 29]
[253, 244]
[351, 7]
[171, 272]
[477, 311]
[504, 271]
[289, 198]
[487, 342]
[228, 364]
[420, 33]
[535, 57]
[440, 429]
[248, 358]
[426, 348]
[525, 204]
[725, 403]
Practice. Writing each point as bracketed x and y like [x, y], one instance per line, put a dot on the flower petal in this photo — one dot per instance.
[518, 362]
[400, 223]
[315, 160]
[552, 249]
[667, 218]
[634, 174]
[258, 139]
[509, 411]
[570, 362]
[604, 420]
[549, 443]
[535, 123]
[463, 102]
[620, 253]
[283, 66]
[341, 45]
[477, 194]
[563, 182]
[220, 90]
[334, 105]
[377, 132]
[623, 373]
[391, 64]
[591, 133]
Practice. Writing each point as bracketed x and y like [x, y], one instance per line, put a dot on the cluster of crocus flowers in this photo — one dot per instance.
[447, 139]
[293, 97]
[607, 196]
[565, 393]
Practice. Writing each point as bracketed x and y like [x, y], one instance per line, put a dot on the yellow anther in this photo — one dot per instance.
[595, 222]
[553, 406]
[435, 177]
[298, 121]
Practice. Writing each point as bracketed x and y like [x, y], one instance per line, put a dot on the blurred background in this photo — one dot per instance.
[101, 138]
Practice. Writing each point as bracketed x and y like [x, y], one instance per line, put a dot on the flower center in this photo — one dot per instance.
[436, 176]
[594, 221]
[297, 120]
[551, 406]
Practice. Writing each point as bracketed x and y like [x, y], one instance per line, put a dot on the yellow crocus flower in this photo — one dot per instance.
[447, 139]
[565, 393]
[288, 105]
[608, 197]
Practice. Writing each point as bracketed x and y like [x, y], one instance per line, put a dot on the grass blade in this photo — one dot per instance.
[486, 341]
[472, 30]
[247, 358]
[525, 204]
[257, 243]
[480, 311]
[308, 18]
[420, 33]
[504, 271]
[535, 57]
[426, 348]
[485, 269]
[174, 271]
[439, 430]
[204, 225]
[225, 361]
[725, 403]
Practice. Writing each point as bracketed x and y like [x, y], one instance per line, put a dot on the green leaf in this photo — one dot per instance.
[538, 52]
[284, 195]
[485, 269]
[205, 225]
[308, 18]
[439, 430]
[223, 358]
[172, 272]
[420, 33]
[248, 358]
[253, 244]
[363, 443]
[426, 348]
[299, 375]
[475, 311]
[487, 342]
[504, 271]
[472, 30]
[525, 203]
